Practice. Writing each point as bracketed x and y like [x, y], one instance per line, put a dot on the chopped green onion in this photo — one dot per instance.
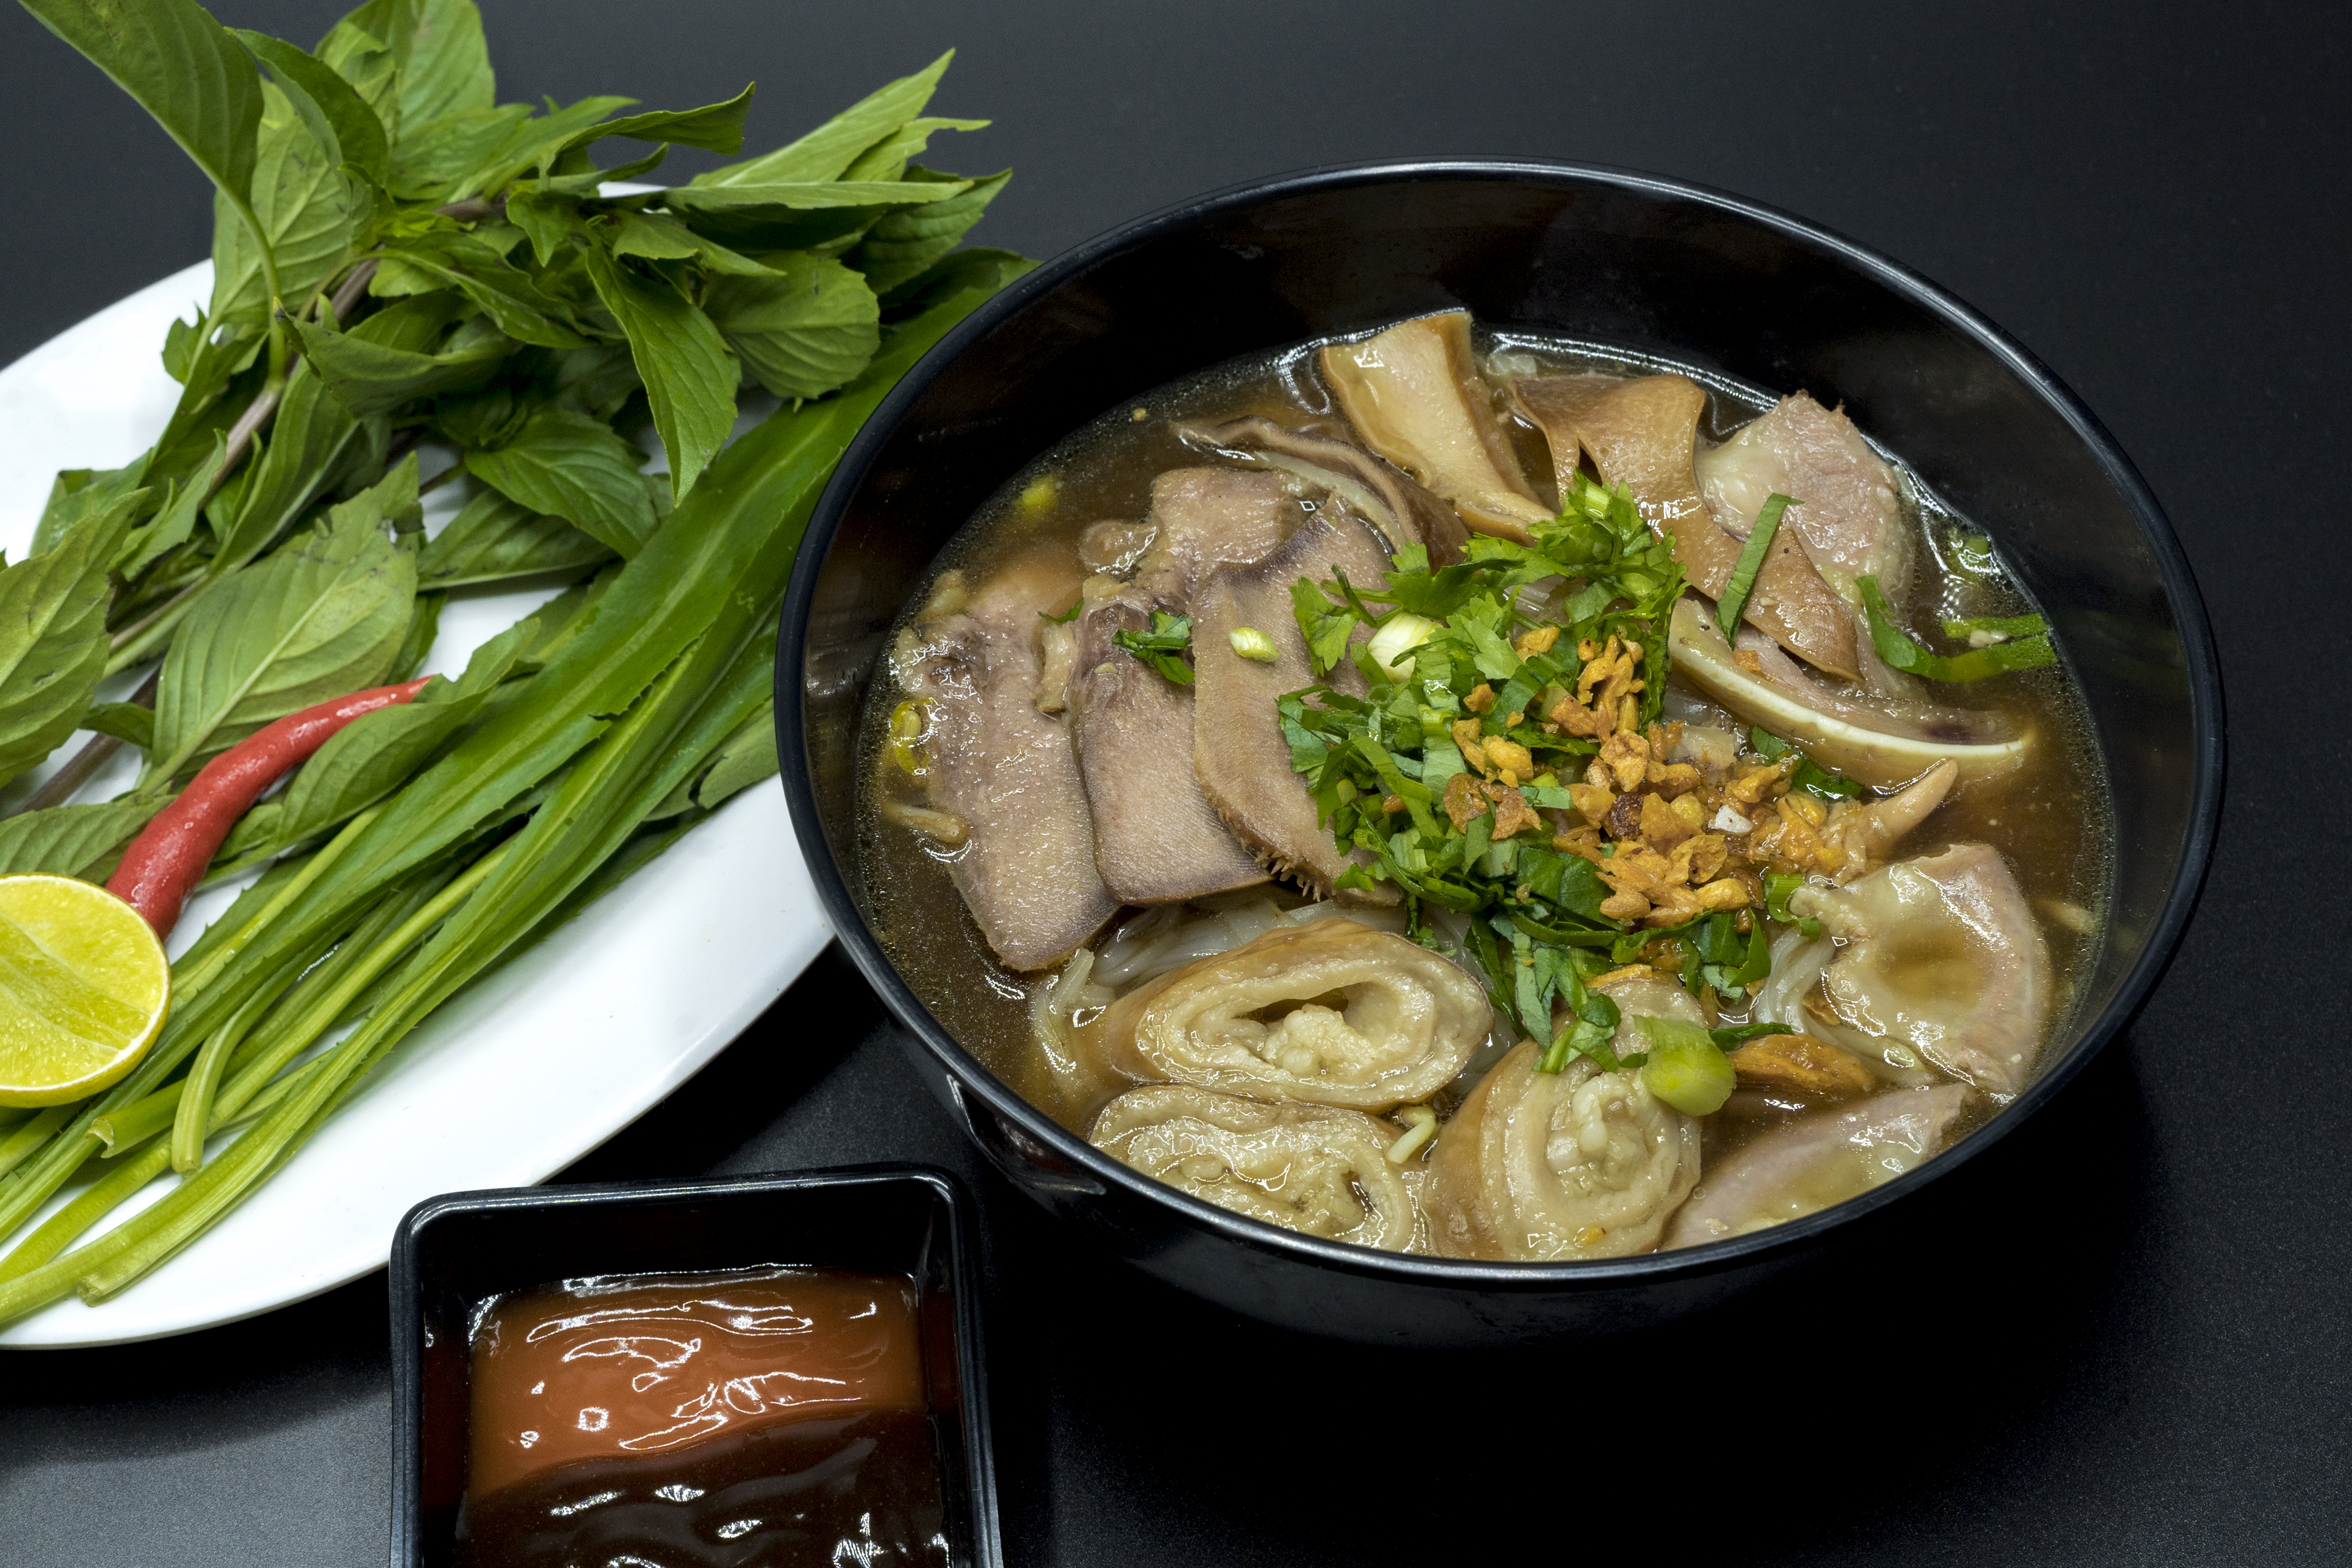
[1423, 1124]
[1896, 647]
[1686, 1069]
[1401, 633]
[1251, 643]
[1751, 561]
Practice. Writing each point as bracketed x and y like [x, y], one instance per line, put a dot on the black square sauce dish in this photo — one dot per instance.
[674, 1374]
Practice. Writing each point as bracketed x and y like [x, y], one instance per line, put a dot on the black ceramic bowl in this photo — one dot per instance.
[1697, 278]
[455, 1252]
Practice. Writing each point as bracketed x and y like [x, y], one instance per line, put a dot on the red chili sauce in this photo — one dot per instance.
[769, 1417]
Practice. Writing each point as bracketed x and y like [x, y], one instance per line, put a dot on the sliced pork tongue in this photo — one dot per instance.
[1238, 748]
[1028, 868]
[1399, 508]
[1156, 838]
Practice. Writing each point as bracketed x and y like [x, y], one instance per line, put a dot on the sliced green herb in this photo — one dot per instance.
[1751, 560]
[1901, 652]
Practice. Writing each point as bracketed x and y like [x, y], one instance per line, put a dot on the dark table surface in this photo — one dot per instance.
[2120, 1337]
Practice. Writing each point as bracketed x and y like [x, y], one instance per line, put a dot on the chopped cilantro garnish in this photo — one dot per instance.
[1387, 769]
[1162, 647]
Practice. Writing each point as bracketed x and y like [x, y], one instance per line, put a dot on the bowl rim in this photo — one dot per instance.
[973, 1077]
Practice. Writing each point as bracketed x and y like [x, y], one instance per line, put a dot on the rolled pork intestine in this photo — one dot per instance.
[1545, 1167]
[1315, 1169]
[1257, 1020]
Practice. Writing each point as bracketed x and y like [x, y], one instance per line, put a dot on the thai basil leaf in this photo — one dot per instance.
[132, 724]
[714, 128]
[505, 292]
[315, 443]
[335, 115]
[386, 359]
[78, 493]
[567, 465]
[886, 159]
[323, 616]
[423, 626]
[904, 243]
[804, 329]
[984, 269]
[69, 841]
[495, 539]
[689, 374]
[53, 639]
[431, 162]
[182, 67]
[446, 65]
[301, 200]
[826, 151]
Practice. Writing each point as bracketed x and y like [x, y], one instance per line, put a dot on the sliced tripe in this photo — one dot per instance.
[1641, 433]
[1579, 1163]
[1239, 750]
[1157, 840]
[1943, 954]
[1413, 395]
[1400, 508]
[1027, 868]
[1848, 515]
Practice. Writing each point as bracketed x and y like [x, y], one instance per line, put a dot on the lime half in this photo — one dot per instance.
[84, 986]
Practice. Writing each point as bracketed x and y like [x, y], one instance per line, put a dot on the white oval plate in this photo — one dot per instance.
[515, 1078]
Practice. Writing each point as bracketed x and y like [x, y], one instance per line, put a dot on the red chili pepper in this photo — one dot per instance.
[169, 857]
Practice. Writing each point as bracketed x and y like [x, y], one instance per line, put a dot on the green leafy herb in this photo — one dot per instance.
[571, 466]
[1066, 617]
[1534, 922]
[447, 268]
[1751, 560]
[324, 617]
[1326, 620]
[53, 640]
[495, 540]
[1898, 648]
[1164, 646]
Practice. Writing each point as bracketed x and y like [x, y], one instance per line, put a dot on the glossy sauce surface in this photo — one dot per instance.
[677, 1420]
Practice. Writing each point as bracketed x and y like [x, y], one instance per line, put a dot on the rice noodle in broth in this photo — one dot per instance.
[1485, 898]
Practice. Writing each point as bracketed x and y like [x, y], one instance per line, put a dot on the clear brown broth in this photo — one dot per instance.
[2048, 818]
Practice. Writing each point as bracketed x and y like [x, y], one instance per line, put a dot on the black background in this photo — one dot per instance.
[2120, 1336]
